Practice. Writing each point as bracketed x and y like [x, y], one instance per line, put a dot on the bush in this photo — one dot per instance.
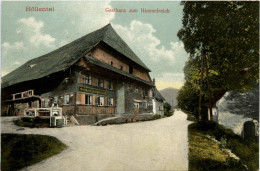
[157, 116]
[32, 122]
[168, 113]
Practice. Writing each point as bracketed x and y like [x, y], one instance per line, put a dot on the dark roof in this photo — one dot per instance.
[62, 58]
[158, 95]
[118, 71]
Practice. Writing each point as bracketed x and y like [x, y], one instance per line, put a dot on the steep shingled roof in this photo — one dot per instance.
[62, 58]
[158, 95]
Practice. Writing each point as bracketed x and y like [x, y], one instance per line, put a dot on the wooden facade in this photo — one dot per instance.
[102, 81]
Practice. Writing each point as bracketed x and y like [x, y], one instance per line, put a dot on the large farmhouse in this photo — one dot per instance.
[97, 74]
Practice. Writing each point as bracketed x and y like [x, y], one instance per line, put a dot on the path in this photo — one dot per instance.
[153, 145]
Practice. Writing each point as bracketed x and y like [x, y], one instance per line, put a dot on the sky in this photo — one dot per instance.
[152, 36]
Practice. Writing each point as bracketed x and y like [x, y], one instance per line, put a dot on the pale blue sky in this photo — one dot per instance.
[26, 35]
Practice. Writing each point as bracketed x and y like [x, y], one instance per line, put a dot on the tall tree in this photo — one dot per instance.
[229, 31]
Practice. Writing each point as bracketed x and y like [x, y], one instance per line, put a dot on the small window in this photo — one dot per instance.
[110, 87]
[121, 67]
[136, 105]
[100, 82]
[87, 79]
[145, 105]
[46, 102]
[100, 101]
[111, 63]
[110, 101]
[66, 99]
[88, 99]
[136, 89]
[130, 70]
[128, 86]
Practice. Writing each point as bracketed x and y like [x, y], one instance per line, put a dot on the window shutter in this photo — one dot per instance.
[105, 101]
[132, 86]
[93, 100]
[96, 100]
[105, 84]
[94, 81]
[82, 96]
[90, 99]
[78, 98]
[90, 80]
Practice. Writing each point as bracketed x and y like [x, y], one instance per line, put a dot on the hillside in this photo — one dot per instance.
[170, 95]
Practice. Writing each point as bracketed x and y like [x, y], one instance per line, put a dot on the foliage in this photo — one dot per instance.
[19, 150]
[229, 31]
[32, 122]
[156, 116]
[247, 151]
[168, 113]
[167, 110]
[190, 116]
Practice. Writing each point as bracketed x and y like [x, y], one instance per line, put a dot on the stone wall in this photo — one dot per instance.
[85, 110]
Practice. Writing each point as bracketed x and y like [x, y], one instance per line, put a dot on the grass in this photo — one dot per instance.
[32, 122]
[21, 150]
[190, 116]
[205, 154]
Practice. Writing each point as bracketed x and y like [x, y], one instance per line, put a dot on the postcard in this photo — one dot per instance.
[129, 85]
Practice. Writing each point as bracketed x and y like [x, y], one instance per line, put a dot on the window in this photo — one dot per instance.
[111, 63]
[145, 92]
[110, 101]
[87, 79]
[136, 89]
[121, 67]
[46, 102]
[30, 104]
[66, 99]
[110, 87]
[88, 99]
[100, 101]
[136, 105]
[100, 82]
[128, 86]
[145, 105]
[130, 70]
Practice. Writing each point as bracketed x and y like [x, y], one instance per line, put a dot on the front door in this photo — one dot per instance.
[136, 108]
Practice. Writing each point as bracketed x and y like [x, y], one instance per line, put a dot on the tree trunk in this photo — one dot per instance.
[209, 93]
[201, 77]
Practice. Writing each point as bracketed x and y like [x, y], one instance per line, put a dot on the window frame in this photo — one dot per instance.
[110, 101]
[100, 80]
[66, 98]
[87, 79]
[136, 89]
[89, 99]
[99, 101]
[110, 85]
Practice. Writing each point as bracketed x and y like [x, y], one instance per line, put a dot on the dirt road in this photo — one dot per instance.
[153, 145]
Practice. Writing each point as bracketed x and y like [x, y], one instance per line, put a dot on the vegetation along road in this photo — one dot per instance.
[155, 145]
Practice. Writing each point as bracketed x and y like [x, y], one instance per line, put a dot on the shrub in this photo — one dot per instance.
[157, 116]
[32, 122]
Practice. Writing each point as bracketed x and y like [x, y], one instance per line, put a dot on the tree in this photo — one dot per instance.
[229, 31]
[167, 109]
